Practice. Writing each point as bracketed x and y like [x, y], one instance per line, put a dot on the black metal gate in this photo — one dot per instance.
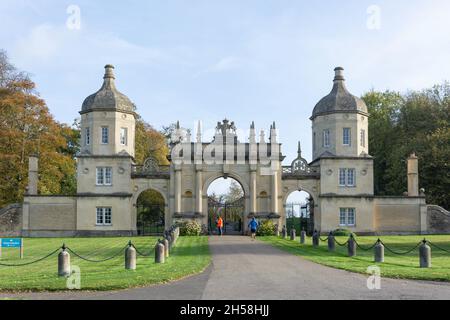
[304, 221]
[232, 214]
[150, 219]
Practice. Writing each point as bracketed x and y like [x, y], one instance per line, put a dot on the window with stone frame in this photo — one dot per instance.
[347, 177]
[347, 217]
[123, 136]
[87, 136]
[104, 176]
[326, 138]
[363, 138]
[346, 136]
[105, 135]
[104, 216]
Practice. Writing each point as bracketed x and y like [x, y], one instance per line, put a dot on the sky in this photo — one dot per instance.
[253, 60]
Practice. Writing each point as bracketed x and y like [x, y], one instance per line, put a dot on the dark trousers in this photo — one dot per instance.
[220, 231]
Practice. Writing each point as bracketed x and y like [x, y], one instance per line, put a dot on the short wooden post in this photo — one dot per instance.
[425, 255]
[63, 262]
[130, 257]
[379, 252]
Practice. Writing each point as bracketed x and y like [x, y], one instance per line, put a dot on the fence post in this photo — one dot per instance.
[379, 252]
[63, 262]
[166, 244]
[315, 239]
[284, 232]
[292, 234]
[302, 237]
[174, 240]
[351, 246]
[331, 244]
[425, 255]
[130, 257]
[277, 232]
[169, 240]
[159, 252]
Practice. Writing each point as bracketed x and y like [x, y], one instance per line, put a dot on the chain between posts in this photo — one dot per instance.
[31, 262]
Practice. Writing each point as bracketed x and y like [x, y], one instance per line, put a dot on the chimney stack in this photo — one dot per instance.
[413, 176]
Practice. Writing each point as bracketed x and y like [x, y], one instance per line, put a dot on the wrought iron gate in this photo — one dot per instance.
[232, 214]
[150, 219]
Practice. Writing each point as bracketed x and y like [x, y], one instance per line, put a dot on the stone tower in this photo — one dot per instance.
[340, 122]
[341, 150]
[105, 159]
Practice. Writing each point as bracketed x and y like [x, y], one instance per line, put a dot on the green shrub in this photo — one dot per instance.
[266, 228]
[342, 233]
[190, 228]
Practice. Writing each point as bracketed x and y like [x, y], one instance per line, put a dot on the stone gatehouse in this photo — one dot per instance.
[339, 179]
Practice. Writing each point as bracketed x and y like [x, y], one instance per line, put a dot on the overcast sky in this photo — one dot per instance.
[245, 60]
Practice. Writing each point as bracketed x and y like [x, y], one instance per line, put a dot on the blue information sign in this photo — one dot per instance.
[11, 243]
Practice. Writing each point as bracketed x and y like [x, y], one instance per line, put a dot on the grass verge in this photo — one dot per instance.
[395, 266]
[189, 256]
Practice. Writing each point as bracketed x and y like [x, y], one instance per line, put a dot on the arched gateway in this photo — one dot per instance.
[339, 180]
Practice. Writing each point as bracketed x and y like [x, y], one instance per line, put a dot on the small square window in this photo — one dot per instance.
[104, 216]
[104, 176]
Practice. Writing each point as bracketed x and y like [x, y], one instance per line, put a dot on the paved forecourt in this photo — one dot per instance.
[245, 269]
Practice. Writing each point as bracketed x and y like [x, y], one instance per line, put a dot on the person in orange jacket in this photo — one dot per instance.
[220, 225]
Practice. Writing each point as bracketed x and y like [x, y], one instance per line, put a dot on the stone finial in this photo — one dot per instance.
[299, 150]
[252, 126]
[262, 137]
[339, 74]
[252, 137]
[199, 132]
[109, 72]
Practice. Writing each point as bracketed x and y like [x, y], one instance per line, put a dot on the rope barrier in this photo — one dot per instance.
[97, 261]
[145, 254]
[323, 239]
[32, 262]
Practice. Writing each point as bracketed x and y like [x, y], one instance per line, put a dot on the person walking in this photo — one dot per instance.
[220, 225]
[253, 225]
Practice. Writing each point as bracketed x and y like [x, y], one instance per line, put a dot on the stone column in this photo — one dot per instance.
[33, 175]
[253, 208]
[177, 190]
[198, 192]
[275, 192]
[413, 176]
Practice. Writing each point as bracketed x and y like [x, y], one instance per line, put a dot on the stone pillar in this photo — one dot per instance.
[177, 191]
[198, 192]
[413, 176]
[159, 253]
[253, 192]
[33, 175]
[275, 192]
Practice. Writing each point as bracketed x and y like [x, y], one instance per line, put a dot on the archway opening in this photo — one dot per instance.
[299, 210]
[226, 199]
[150, 209]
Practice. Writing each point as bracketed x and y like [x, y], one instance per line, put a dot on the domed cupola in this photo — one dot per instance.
[108, 98]
[339, 100]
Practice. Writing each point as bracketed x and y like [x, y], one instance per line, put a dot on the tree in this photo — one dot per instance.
[417, 121]
[149, 143]
[27, 128]
[234, 192]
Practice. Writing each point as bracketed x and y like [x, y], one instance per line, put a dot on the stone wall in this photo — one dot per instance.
[47, 214]
[399, 215]
[11, 221]
[438, 220]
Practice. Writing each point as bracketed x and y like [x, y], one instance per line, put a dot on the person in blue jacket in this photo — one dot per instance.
[253, 225]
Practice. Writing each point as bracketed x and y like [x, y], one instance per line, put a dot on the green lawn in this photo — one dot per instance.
[190, 256]
[395, 266]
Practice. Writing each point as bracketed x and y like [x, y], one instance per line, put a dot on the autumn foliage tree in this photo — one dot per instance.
[27, 128]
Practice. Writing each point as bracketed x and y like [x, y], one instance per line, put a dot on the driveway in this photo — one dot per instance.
[245, 269]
